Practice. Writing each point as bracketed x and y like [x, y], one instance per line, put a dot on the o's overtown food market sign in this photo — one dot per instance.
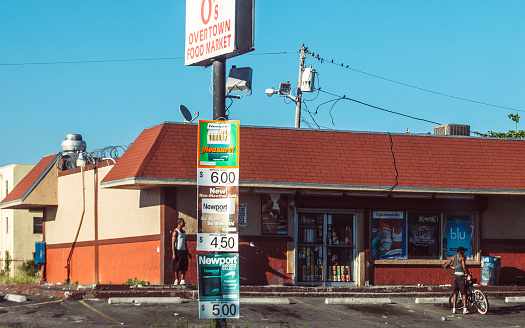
[217, 29]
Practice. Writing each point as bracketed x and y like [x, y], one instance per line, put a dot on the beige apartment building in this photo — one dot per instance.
[19, 228]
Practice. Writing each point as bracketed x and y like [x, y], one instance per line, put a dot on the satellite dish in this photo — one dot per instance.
[186, 114]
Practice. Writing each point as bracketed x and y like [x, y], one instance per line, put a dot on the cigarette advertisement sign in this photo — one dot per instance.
[217, 209]
[217, 29]
[218, 186]
[458, 235]
[218, 144]
[218, 285]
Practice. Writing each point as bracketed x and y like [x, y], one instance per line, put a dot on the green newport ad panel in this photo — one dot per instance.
[218, 277]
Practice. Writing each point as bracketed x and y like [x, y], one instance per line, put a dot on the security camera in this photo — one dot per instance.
[270, 92]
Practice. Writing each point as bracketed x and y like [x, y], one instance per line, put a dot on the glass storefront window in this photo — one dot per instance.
[388, 235]
[422, 234]
[460, 230]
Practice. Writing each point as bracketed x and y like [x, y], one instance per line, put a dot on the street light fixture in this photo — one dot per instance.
[285, 89]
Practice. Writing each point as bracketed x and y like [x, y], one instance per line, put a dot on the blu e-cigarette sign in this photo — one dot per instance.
[458, 235]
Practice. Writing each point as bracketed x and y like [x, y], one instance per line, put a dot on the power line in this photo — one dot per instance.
[372, 106]
[322, 60]
[90, 61]
[126, 60]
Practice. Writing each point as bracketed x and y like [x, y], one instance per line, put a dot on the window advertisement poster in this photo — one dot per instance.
[218, 144]
[423, 235]
[218, 285]
[458, 234]
[242, 219]
[388, 235]
[274, 212]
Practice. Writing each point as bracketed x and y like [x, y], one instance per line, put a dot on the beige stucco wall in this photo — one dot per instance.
[186, 204]
[121, 213]
[127, 213]
[504, 218]
[18, 237]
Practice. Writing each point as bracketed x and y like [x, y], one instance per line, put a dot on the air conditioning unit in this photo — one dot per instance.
[452, 130]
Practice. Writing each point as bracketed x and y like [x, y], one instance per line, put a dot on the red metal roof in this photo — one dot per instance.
[334, 160]
[27, 184]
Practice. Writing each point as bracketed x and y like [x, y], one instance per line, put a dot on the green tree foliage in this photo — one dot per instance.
[512, 134]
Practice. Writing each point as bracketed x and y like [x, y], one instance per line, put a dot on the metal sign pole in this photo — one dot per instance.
[219, 89]
[219, 113]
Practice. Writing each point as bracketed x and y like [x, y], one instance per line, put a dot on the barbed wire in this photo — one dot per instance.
[66, 162]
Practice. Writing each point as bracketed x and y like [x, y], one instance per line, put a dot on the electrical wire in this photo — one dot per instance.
[102, 61]
[322, 60]
[372, 106]
[311, 116]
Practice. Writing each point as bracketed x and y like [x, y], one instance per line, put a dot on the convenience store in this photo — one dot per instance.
[332, 208]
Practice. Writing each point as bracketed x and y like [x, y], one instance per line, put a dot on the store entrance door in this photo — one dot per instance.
[326, 248]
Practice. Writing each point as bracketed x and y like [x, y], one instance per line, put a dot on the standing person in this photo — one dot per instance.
[459, 264]
[180, 252]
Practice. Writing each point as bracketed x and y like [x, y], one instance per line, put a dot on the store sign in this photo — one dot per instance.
[218, 285]
[217, 29]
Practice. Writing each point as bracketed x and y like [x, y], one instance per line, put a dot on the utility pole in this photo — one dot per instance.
[219, 112]
[219, 89]
[299, 97]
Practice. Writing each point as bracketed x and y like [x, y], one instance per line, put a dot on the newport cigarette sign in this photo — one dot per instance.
[217, 29]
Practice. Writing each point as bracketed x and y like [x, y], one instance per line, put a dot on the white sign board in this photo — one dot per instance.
[210, 29]
[218, 310]
[217, 29]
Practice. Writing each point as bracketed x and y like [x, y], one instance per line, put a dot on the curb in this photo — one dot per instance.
[15, 298]
[144, 300]
[361, 300]
[265, 300]
[513, 299]
[432, 300]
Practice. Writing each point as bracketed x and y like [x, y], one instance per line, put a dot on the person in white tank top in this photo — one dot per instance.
[179, 253]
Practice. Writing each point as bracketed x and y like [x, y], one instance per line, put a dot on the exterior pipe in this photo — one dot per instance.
[68, 265]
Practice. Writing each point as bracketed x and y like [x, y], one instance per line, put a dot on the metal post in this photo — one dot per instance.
[299, 98]
[219, 112]
[219, 89]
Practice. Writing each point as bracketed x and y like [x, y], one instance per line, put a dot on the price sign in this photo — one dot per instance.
[218, 310]
[217, 177]
[215, 242]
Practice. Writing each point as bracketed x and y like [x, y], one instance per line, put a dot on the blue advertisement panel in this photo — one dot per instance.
[218, 285]
[458, 235]
[388, 235]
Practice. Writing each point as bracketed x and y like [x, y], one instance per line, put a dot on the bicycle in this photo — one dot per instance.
[475, 297]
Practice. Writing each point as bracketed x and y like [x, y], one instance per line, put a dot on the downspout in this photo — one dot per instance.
[95, 217]
[68, 265]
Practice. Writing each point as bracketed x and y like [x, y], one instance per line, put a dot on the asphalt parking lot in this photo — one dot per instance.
[40, 311]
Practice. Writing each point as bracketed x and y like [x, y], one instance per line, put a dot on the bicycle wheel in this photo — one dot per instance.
[459, 301]
[480, 301]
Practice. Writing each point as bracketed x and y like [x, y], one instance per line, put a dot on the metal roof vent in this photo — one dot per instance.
[452, 130]
[72, 147]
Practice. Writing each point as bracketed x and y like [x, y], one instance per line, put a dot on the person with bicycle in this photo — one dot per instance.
[459, 264]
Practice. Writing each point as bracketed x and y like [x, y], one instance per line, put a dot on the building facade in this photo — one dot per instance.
[19, 229]
[329, 208]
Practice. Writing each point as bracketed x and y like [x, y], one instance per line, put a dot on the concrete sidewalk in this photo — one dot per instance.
[77, 292]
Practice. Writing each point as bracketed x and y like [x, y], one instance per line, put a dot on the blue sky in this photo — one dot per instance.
[77, 67]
